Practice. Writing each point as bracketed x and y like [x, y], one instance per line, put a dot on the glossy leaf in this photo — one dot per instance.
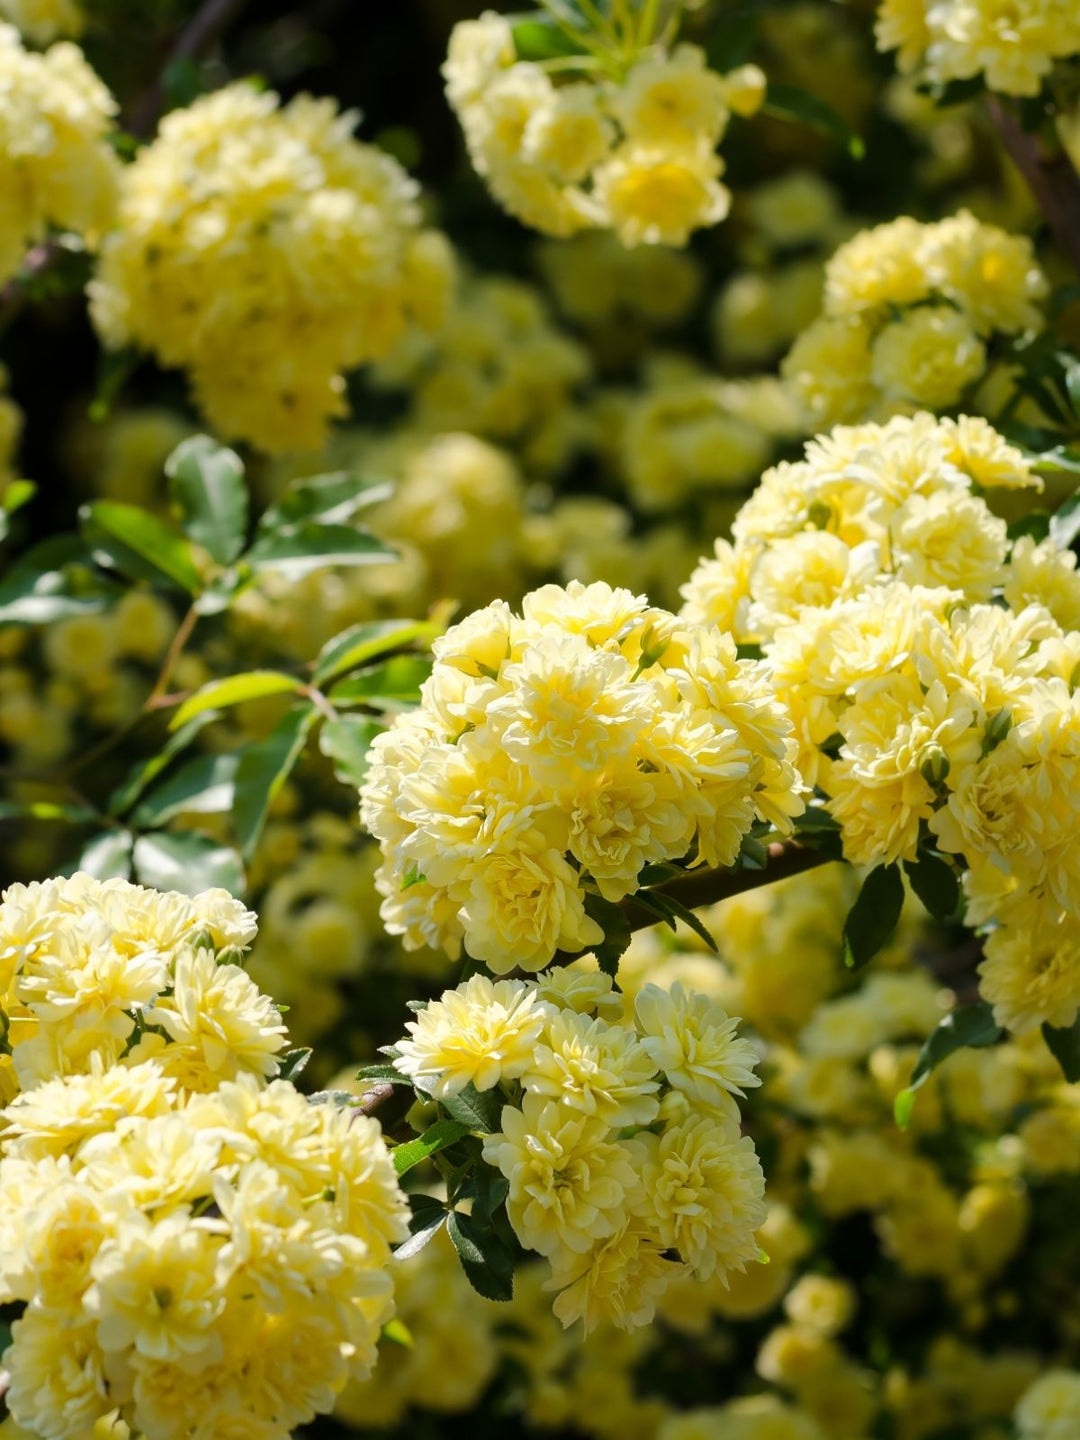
[38, 588]
[361, 643]
[187, 861]
[106, 856]
[346, 740]
[487, 1262]
[1063, 1042]
[263, 769]
[330, 499]
[203, 786]
[792, 103]
[234, 690]
[392, 685]
[146, 772]
[874, 916]
[414, 1152]
[139, 545]
[936, 884]
[476, 1109]
[1065, 524]
[207, 483]
[297, 550]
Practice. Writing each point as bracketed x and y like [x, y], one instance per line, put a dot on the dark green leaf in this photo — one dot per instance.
[393, 684]
[732, 40]
[346, 741]
[294, 1062]
[936, 884]
[204, 786]
[1065, 524]
[791, 103]
[146, 771]
[106, 856]
[187, 861]
[264, 767]
[297, 550]
[968, 1026]
[488, 1263]
[138, 544]
[234, 690]
[671, 910]
[478, 1110]
[207, 483]
[413, 1152]
[428, 1217]
[617, 933]
[39, 588]
[331, 499]
[1036, 524]
[1072, 385]
[873, 917]
[489, 1188]
[1063, 1042]
[361, 643]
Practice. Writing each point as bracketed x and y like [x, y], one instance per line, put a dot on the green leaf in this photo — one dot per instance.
[541, 39]
[204, 786]
[187, 861]
[48, 810]
[384, 1074]
[414, 1152]
[936, 884]
[489, 1188]
[331, 499]
[428, 1218]
[361, 643]
[146, 771]
[207, 483]
[138, 544]
[475, 1109]
[234, 690]
[297, 550]
[791, 103]
[1072, 385]
[1065, 524]
[390, 686]
[106, 856]
[397, 1333]
[617, 933]
[732, 40]
[1036, 524]
[17, 494]
[873, 917]
[293, 1062]
[39, 588]
[346, 740]
[1063, 1042]
[968, 1026]
[671, 910]
[264, 767]
[487, 1262]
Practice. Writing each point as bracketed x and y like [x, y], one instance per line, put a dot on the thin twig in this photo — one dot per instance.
[172, 655]
[203, 29]
[1050, 175]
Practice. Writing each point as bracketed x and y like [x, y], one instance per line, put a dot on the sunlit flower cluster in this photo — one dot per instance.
[633, 150]
[97, 973]
[930, 669]
[190, 1264]
[265, 251]
[910, 313]
[1013, 48]
[57, 170]
[618, 1204]
[556, 755]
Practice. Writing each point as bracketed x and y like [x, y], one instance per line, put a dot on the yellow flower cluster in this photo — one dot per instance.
[1012, 47]
[43, 21]
[1050, 1409]
[909, 312]
[930, 669]
[596, 1186]
[96, 972]
[499, 369]
[56, 167]
[191, 1265]
[635, 153]
[554, 756]
[264, 250]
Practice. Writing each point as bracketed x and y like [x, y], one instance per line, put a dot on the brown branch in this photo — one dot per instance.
[196, 38]
[694, 889]
[1049, 173]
